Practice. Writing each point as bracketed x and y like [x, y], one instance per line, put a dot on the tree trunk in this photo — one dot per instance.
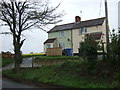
[18, 61]
[17, 56]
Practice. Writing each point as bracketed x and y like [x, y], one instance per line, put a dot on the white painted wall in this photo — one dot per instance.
[77, 38]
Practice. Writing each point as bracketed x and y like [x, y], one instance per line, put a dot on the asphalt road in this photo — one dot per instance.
[11, 84]
[27, 62]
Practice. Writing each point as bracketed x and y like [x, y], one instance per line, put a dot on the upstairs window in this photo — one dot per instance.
[61, 34]
[82, 30]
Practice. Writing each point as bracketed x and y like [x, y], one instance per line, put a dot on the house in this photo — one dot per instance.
[72, 34]
[7, 54]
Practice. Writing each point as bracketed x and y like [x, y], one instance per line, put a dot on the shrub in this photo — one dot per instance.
[114, 44]
[89, 47]
[89, 50]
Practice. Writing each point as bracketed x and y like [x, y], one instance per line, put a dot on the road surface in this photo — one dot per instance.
[27, 62]
[11, 84]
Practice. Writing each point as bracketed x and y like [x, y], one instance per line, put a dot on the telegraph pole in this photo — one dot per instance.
[107, 29]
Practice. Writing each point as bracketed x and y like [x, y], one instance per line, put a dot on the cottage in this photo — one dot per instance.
[72, 34]
[7, 54]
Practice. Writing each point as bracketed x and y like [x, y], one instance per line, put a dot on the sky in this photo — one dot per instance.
[86, 9]
[119, 14]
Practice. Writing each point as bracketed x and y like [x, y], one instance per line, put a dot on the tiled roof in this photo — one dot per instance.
[50, 40]
[75, 25]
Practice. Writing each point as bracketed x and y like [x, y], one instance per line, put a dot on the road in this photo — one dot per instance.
[10, 84]
[5, 83]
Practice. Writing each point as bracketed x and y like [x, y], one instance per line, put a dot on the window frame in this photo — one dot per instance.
[61, 34]
[82, 30]
[48, 46]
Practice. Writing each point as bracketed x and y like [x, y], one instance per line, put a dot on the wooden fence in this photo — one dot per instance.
[54, 51]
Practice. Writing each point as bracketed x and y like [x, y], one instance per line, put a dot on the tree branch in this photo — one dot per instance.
[22, 42]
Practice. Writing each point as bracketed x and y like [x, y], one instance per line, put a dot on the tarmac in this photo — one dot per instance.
[27, 62]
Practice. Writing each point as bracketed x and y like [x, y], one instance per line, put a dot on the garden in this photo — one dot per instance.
[85, 71]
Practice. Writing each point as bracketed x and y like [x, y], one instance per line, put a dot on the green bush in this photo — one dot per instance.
[115, 45]
[89, 50]
[89, 47]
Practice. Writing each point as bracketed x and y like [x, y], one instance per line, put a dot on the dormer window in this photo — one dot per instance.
[61, 34]
[82, 30]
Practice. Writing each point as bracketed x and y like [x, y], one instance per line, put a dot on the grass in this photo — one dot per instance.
[6, 61]
[71, 73]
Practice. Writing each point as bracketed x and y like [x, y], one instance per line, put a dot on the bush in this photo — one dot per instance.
[115, 45]
[89, 48]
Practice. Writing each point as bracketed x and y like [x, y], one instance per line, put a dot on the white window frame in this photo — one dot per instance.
[61, 34]
[82, 30]
[48, 45]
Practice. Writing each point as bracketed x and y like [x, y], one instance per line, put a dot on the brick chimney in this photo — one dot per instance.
[77, 19]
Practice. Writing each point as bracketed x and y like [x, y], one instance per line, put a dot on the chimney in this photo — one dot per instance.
[77, 19]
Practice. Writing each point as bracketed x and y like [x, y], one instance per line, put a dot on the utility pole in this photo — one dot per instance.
[107, 29]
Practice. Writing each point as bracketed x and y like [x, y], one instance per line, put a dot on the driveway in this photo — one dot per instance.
[27, 62]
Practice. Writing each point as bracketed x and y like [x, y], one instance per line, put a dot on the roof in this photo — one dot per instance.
[50, 40]
[75, 25]
[96, 35]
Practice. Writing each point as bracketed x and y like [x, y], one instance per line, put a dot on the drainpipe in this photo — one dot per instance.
[72, 42]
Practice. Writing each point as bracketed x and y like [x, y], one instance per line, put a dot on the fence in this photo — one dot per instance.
[54, 51]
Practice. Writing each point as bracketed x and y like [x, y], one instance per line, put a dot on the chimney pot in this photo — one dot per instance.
[77, 19]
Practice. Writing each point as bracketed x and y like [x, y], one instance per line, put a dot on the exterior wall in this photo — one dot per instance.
[77, 38]
[45, 46]
[55, 43]
[64, 40]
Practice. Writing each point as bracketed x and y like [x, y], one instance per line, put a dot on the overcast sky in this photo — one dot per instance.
[91, 9]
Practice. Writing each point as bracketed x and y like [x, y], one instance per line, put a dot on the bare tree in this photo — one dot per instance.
[22, 15]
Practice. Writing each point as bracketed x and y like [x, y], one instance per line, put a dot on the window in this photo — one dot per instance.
[61, 34]
[48, 46]
[62, 45]
[82, 30]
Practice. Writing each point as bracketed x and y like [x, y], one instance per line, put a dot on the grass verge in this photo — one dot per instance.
[71, 73]
[6, 61]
